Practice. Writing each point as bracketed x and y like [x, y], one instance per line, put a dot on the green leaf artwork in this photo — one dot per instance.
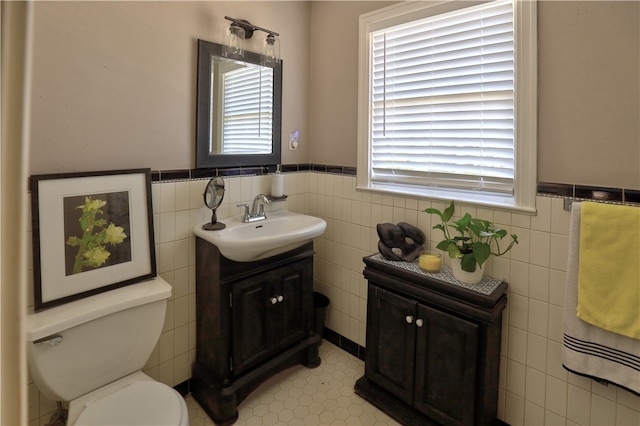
[97, 236]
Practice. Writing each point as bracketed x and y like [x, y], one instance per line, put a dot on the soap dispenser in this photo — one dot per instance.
[277, 183]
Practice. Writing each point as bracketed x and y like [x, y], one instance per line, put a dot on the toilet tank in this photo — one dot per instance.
[83, 345]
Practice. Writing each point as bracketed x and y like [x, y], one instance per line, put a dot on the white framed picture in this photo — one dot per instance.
[92, 232]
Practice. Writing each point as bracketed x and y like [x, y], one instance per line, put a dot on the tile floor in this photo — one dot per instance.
[303, 396]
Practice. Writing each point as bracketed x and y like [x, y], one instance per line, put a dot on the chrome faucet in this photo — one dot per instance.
[259, 200]
[257, 209]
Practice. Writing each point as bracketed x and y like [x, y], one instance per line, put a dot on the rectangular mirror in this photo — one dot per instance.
[239, 108]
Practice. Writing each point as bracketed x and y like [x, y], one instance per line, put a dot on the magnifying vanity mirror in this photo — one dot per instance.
[213, 195]
[239, 107]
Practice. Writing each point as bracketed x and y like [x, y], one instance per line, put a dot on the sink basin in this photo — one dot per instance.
[280, 232]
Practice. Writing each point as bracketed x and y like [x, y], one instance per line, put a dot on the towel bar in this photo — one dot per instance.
[567, 204]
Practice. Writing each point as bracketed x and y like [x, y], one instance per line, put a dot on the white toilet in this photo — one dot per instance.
[90, 353]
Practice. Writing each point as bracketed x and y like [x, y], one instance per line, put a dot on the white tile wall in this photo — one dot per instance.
[534, 388]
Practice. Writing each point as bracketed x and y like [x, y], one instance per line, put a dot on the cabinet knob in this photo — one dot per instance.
[280, 298]
[274, 300]
[419, 322]
[409, 319]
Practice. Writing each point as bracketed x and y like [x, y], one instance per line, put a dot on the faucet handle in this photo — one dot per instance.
[245, 214]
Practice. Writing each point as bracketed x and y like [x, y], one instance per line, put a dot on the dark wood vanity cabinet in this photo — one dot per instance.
[432, 349]
[253, 319]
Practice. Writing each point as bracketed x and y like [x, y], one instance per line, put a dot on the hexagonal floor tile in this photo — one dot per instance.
[310, 397]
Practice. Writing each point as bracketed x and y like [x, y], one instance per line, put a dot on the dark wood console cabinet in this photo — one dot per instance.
[433, 347]
[253, 319]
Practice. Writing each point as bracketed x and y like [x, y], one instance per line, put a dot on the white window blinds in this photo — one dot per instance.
[248, 111]
[442, 101]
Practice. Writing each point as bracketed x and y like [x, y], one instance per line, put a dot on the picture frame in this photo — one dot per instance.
[92, 232]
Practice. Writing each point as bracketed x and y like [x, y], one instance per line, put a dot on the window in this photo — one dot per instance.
[447, 101]
[246, 112]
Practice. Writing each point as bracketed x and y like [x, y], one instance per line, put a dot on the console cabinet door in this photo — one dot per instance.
[446, 357]
[391, 336]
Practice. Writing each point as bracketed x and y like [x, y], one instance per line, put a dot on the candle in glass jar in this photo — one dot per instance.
[429, 262]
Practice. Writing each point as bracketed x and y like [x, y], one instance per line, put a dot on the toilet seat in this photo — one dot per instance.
[141, 403]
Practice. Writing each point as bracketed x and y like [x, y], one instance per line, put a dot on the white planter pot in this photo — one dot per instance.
[464, 276]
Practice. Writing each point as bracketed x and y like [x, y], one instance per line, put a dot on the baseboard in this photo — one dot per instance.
[343, 343]
[183, 388]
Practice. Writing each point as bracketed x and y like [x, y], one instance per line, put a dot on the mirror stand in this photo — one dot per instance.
[213, 195]
[214, 225]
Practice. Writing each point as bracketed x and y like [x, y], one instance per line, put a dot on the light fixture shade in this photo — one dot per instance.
[270, 50]
[234, 41]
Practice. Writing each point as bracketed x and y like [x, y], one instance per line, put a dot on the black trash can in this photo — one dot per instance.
[320, 310]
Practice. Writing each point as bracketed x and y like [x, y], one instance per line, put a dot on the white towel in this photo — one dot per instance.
[587, 349]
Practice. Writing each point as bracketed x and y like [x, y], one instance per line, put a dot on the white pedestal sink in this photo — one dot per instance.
[280, 232]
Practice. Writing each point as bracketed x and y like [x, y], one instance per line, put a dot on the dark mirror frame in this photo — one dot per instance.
[204, 159]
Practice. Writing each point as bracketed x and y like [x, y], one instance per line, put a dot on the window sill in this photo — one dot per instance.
[441, 194]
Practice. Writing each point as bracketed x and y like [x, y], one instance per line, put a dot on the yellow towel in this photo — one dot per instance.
[609, 268]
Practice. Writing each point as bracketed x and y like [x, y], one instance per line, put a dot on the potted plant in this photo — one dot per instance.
[473, 244]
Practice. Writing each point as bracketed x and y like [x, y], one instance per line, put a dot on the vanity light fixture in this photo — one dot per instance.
[234, 36]
[270, 50]
[241, 30]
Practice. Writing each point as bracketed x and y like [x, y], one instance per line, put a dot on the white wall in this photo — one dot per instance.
[588, 89]
[114, 83]
[534, 387]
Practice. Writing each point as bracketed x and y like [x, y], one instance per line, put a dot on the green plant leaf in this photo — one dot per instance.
[476, 229]
[432, 210]
[448, 212]
[482, 224]
[453, 250]
[468, 262]
[501, 233]
[481, 252]
[464, 221]
[444, 245]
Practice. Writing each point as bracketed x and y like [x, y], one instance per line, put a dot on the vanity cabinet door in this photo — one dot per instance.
[288, 321]
[250, 323]
[267, 313]
[446, 359]
[391, 337]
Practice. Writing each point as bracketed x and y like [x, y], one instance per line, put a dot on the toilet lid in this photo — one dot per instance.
[142, 403]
